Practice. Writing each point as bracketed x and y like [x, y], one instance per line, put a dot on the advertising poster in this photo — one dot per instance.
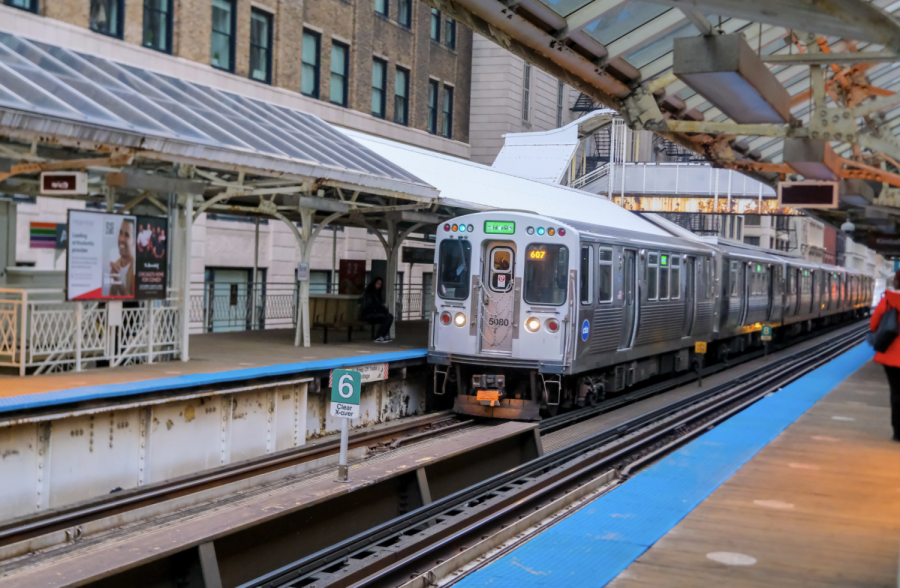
[152, 255]
[115, 257]
[352, 276]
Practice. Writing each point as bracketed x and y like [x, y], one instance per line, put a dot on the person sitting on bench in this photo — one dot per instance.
[373, 311]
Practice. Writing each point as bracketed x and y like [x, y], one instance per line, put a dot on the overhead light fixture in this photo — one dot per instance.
[859, 193]
[814, 160]
[728, 73]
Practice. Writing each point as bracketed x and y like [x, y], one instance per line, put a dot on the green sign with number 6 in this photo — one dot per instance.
[346, 386]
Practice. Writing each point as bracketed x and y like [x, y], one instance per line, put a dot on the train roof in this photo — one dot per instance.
[470, 185]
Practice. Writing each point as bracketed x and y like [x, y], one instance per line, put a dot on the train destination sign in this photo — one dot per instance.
[345, 393]
[499, 227]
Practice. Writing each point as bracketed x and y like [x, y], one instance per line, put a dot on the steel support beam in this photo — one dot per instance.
[844, 58]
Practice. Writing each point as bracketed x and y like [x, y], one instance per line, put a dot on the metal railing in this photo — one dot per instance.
[39, 329]
[244, 306]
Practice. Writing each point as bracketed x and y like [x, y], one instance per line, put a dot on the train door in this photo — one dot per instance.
[690, 295]
[629, 291]
[770, 275]
[798, 290]
[498, 298]
[745, 289]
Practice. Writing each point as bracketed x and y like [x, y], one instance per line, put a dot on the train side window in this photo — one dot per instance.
[585, 274]
[605, 275]
[454, 269]
[675, 289]
[664, 259]
[652, 261]
[709, 278]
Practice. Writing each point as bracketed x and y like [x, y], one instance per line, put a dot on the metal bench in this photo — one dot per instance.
[337, 311]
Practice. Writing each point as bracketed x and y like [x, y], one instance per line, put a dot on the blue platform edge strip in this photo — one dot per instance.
[56, 397]
[595, 544]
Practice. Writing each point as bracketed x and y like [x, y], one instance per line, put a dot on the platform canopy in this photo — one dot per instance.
[62, 104]
[830, 58]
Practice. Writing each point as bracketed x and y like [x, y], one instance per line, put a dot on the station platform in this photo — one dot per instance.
[800, 489]
[215, 358]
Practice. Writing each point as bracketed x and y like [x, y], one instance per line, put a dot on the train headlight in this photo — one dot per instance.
[445, 318]
[553, 325]
[459, 319]
[532, 325]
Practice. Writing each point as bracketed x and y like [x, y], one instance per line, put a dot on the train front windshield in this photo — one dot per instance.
[454, 269]
[546, 273]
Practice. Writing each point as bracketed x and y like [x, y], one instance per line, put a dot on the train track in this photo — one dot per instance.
[427, 545]
[384, 439]
[115, 503]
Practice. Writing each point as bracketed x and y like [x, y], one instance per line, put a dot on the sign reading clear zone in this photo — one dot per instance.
[345, 393]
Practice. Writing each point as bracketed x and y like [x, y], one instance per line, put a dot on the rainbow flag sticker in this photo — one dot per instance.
[43, 235]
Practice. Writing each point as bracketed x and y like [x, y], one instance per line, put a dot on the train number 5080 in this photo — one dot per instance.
[498, 322]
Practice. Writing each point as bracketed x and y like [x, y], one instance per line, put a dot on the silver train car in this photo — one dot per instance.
[533, 314]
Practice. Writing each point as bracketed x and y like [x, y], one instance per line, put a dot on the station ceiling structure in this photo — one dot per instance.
[778, 89]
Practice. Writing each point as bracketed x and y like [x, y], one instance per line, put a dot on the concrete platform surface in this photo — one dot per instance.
[800, 489]
[229, 357]
[819, 506]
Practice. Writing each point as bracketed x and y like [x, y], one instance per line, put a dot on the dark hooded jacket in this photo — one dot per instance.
[371, 303]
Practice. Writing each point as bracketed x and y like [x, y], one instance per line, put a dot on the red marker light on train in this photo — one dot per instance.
[562, 232]
[445, 318]
[553, 325]
[447, 227]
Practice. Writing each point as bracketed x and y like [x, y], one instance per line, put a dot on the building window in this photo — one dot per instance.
[106, 17]
[158, 25]
[560, 97]
[432, 106]
[526, 92]
[223, 25]
[447, 113]
[752, 241]
[752, 220]
[404, 13]
[309, 77]
[379, 81]
[340, 63]
[450, 33]
[435, 25]
[401, 97]
[29, 5]
[382, 7]
[260, 45]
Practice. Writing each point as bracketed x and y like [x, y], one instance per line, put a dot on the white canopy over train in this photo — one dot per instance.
[533, 312]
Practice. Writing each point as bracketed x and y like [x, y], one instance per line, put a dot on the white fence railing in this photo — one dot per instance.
[685, 179]
[42, 332]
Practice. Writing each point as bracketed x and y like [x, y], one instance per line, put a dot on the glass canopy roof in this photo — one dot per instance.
[161, 113]
[642, 33]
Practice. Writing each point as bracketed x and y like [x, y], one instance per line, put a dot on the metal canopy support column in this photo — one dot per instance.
[188, 221]
[391, 246]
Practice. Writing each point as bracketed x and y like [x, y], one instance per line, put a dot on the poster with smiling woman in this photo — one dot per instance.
[100, 260]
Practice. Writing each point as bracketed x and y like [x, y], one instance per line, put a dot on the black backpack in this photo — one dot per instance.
[887, 331]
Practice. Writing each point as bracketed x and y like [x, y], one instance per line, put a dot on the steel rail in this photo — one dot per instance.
[345, 564]
[19, 530]
[569, 418]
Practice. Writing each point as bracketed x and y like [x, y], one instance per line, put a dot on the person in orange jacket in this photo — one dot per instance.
[890, 359]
